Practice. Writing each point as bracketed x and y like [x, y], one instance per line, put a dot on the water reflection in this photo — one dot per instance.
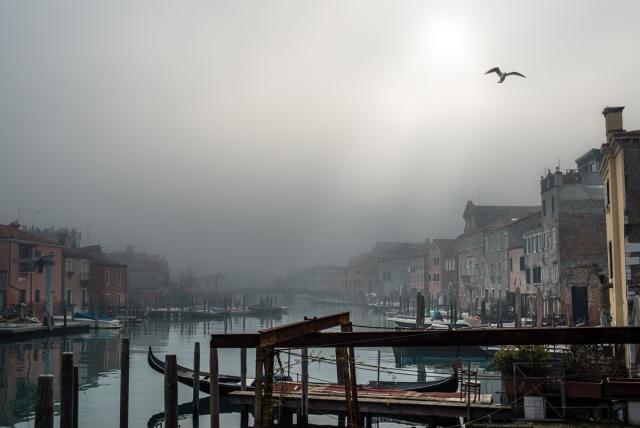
[97, 355]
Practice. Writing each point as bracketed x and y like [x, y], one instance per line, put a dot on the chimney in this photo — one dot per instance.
[613, 120]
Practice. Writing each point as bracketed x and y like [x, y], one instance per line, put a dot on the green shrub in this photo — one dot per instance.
[507, 355]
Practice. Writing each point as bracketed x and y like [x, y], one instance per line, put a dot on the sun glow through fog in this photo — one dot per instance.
[444, 42]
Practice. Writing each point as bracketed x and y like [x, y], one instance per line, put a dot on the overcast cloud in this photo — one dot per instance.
[257, 137]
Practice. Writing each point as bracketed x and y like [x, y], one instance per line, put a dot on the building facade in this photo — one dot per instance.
[21, 280]
[148, 275]
[106, 284]
[621, 176]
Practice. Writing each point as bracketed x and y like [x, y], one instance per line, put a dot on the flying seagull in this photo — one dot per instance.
[503, 75]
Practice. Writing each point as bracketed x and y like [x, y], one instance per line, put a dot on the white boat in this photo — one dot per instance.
[103, 321]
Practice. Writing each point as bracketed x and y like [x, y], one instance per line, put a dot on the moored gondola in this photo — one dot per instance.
[230, 384]
[185, 376]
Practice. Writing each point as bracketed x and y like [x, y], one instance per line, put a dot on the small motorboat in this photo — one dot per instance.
[103, 321]
[264, 309]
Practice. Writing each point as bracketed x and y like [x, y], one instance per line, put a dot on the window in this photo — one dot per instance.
[553, 205]
[527, 274]
[608, 195]
[69, 297]
[23, 296]
[84, 296]
[37, 296]
[68, 265]
[522, 266]
[106, 278]
[84, 270]
[554, 272]
[118, 279]
[436, 261]
[449, 265]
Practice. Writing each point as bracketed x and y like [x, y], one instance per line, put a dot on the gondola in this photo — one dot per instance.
[227, 384]
[449, 384]
[230, 384]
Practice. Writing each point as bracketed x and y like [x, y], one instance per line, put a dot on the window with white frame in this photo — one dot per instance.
[118, 279]
[106, 278]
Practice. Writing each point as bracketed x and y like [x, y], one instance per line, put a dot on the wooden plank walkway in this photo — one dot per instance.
[380, 401]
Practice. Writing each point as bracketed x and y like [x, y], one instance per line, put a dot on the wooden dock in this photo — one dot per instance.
[32, 330]
[380, 401]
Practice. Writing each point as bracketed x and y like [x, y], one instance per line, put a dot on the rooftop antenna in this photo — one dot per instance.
[480, 192]
[19, 211]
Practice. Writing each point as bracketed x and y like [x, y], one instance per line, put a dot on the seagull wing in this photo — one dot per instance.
[515, 73]
[494, 70]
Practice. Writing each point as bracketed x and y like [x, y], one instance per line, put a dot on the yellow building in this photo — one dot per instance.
[620, 172]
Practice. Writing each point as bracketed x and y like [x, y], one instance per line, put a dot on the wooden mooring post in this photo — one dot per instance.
[214, 387]
[66, 391]
[196, 380]
[124, 383]
[244, 411]
[76, 396]
[44, 403]
[170, 392]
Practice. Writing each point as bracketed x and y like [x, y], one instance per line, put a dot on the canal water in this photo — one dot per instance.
[97, 355]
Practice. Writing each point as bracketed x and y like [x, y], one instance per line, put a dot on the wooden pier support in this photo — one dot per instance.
[303, 419]
[353, 412]
[196, 380]
[66, 391]
[257, 413]
[214, 387]
[44, 403]
[170, 392]
[124, 383]
[243, 369]
[267, 399]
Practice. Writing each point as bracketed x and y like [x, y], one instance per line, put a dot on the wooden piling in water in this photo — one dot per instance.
[170, 392]
[196, 379]
[124, 383]
[44, 403]
[66, 391]
[76, 396]
[214, 387]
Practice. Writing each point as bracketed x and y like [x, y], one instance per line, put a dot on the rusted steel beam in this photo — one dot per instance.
[467, 337]
[276, 335]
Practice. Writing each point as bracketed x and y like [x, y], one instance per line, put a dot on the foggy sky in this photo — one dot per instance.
[258, 136]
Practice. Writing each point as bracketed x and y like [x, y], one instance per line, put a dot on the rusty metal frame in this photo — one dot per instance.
[408, 338]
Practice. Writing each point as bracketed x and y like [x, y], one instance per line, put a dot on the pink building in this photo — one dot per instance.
[21, 281]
